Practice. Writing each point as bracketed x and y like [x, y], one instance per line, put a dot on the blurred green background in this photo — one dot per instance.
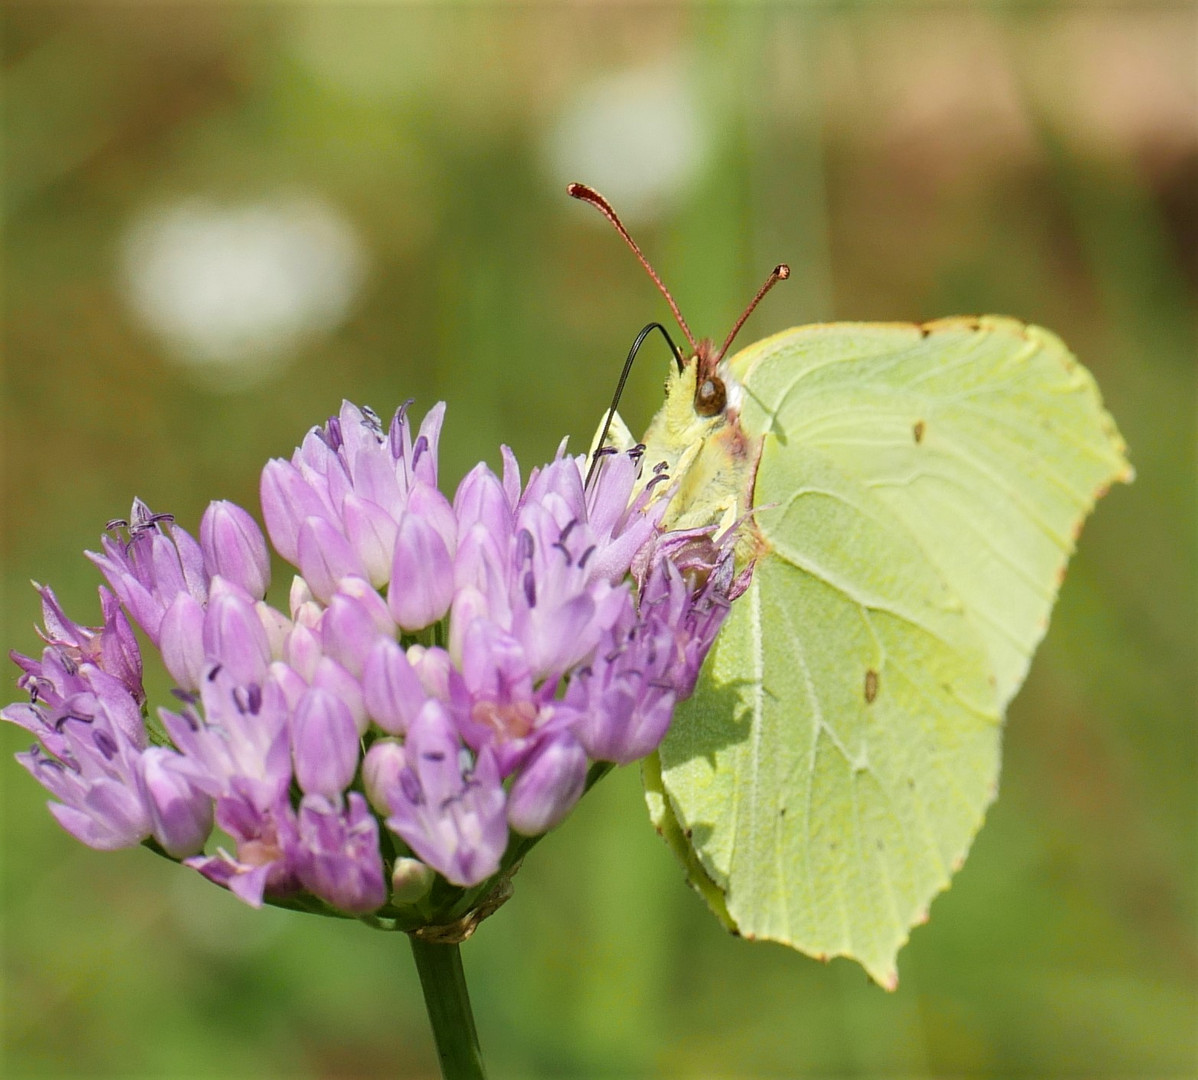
[221, 219]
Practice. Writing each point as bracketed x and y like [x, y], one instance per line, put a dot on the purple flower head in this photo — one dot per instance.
[447, 670]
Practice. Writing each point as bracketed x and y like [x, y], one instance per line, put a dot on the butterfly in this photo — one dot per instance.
[909, 495]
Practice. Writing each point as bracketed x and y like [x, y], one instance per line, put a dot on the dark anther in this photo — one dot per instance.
[116, 523]
[105, 744]
[661, 466]
[637, 452]
[82, 718]
[371, 421]
[524, 546]
[418, 449]
[565, 551]
[530, 589]
[656, 480]
[582, 563]
[186, 696]
[248, 699]
[395, 432]
[433, 755]
[568, 530]
[411, 788]
[214, 672]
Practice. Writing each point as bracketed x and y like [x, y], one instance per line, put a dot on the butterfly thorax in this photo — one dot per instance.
[711, 459]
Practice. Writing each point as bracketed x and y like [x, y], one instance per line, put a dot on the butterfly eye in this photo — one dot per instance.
[710, 397]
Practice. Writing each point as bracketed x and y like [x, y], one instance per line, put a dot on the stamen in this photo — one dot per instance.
[582, 563]
[44, 761]
[398, 421]
[418, 449]
[411, 788]
[105, 744]
[82, 718]
[334, 437]
[525, 546]
[371, 422]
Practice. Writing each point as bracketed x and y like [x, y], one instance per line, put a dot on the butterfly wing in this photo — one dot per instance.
[920, 490]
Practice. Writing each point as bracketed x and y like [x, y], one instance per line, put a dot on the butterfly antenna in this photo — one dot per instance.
[780, 273]
[590, 195]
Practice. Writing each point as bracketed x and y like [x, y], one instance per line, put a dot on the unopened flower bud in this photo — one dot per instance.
[410, 880]
[381, 769]
[180, 814]
[181, 639]
[548, 786]
[391, 688]
[371, 533]
[235, 548]
[421, 575]
[287, 501]
[324, 744]
[325, 557]
[234, 636]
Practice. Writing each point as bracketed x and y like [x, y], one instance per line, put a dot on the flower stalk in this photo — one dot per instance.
[448, 1002]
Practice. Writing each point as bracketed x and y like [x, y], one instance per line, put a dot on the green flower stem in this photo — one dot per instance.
[448, 1003]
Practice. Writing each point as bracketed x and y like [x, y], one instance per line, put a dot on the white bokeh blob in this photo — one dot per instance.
[234, 291]
[638, 136]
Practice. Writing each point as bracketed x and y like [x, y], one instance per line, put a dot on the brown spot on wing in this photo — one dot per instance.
[918, 431]
[871, 686]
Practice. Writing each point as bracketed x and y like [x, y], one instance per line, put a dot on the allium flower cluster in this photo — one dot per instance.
[445, 674]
